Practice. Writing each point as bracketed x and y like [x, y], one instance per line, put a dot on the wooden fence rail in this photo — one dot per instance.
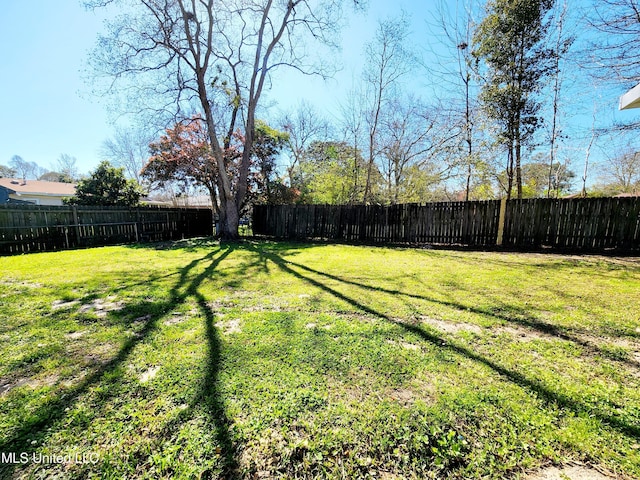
[32, 228]
[592, 224]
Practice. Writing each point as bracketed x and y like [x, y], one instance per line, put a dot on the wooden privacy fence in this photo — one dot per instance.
[32, 228]
[595, 224]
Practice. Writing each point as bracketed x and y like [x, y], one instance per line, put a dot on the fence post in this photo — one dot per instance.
[501, 221]
[76, 224]
[136, 226]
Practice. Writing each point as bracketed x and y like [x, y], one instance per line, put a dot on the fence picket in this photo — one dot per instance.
[595, 224]
[31, 228]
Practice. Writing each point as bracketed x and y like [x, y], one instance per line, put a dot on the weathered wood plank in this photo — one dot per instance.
[576, 224]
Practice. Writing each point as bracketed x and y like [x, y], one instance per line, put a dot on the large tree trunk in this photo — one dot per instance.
[229, 227]
[509, 171]
[229, 217]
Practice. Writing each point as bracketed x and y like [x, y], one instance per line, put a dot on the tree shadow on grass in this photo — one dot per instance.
[537, 387]
[209, 395]
[54, 411]
[503, 312]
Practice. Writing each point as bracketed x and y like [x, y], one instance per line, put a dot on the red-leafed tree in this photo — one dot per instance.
[184, 155]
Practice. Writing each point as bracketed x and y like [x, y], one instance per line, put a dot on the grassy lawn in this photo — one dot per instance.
[266, 360]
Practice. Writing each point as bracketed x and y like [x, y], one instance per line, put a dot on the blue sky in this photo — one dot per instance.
[45, 105]
[43, 112]
[46, 109]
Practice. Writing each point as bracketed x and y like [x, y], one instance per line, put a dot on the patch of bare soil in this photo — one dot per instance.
[451, 327]
[7, 386]
[16, 283]
[217, 305]
[407, 345]
[149, 374]
[62, 304]
[571, 472]
[76, 335]
[403, 396]
[102, 307]
[524, 334]
[100, 354]
[175, 319]
[230, 326]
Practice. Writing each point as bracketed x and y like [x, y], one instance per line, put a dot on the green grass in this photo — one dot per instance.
[266, 360]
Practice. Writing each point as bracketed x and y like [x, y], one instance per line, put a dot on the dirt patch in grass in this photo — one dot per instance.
[403, 396]
[149, 374]
[217, 305]
[98, 354]
[407, 345]
[572, 472]
[102, 307]
[523, 334]
[48, 381]
[63, 304]
[451, 327]
[17, 283]
[76, 335]
[175, 319]
[230, 326]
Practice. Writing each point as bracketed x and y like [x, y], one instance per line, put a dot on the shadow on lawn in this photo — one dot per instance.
[540, 389]
[502, 312]
[209, 395]
[54, 411]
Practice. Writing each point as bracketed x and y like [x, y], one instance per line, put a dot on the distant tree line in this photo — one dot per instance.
[64, 170]
[496, 125]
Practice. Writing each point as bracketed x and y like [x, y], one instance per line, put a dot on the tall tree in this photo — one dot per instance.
[183, 157]
[267, 146]
[55, 177]
[411, 141]
[216, 58]
[535, 178]
[65, 169]
[452, 31]
[303, 126]
[622, 171]
[587, 152]
[24, 168]
[128, 148]
[510, 43]
[353, 123]
[560, 46]
[387, 61]
[326, 171]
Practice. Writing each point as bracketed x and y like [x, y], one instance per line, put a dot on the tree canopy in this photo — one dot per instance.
[214, 58]
[202, 69]
[107, 186]
[510, 43]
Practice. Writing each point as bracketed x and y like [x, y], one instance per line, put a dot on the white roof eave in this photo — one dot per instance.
[41, 194]
[631, 99]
